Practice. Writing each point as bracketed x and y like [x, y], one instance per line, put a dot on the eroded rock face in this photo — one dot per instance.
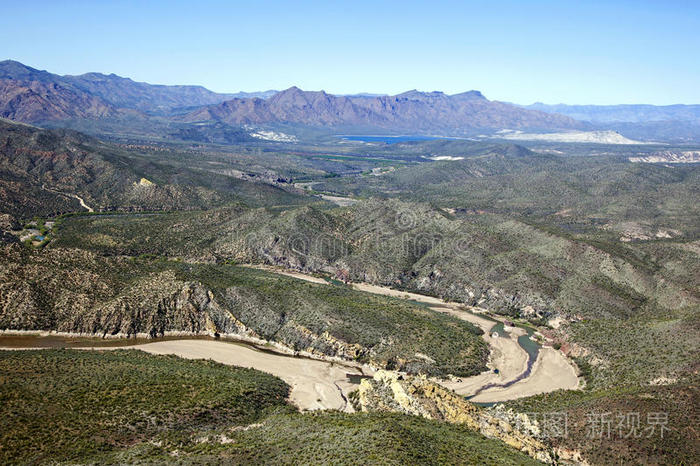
[151, 307]
[185, 307]
[64, 291]
[80, 292]
[391, 391]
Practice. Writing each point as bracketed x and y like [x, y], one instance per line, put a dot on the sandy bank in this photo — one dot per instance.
[506, 355]
[398, 294]
[551, 371]
[315, 384]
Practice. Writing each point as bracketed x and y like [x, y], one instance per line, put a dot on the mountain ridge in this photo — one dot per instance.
[37, 101]
[34, 96]
[111, 90]
[412, 110]
[632, 113]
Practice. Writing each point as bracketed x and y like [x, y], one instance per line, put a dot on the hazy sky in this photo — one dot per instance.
[599, 52]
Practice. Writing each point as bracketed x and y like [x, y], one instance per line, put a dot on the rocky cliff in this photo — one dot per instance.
[75, 291]
[391, 391]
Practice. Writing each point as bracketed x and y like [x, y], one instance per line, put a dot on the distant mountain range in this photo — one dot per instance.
[668, 123]
[32, 95]
[40, 97]
[251, 95]
[411, 111]
[622, 113]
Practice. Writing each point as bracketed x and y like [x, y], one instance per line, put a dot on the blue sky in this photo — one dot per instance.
[551, 51]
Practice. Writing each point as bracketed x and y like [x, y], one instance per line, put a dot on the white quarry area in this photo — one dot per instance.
[272, 135]
[443, 157]
[668, 156]
[598, 137]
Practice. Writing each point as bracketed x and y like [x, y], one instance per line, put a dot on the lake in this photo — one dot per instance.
[389, 139]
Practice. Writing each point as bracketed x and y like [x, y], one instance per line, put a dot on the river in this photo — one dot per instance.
[518, 366]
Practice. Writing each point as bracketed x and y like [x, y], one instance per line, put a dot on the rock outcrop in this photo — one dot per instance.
[395, 392]
[8, 222]
[73, 291]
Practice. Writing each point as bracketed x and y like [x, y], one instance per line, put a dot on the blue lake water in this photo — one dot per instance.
[389, 139]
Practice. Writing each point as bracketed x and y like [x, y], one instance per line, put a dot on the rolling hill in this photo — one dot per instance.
[47, 172]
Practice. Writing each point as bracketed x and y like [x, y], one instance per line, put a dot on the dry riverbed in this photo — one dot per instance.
[551, 370]
[315, 384]
[324, 384]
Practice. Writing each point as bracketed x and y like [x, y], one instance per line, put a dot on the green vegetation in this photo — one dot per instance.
[635, 351]
[129, 407]
[392, 329]
[150, 295]
[570, 193]
[642, 365]
[506, 264]
[677, 402]
[62, 405]
[42, 171]
[336, 438]
[570, 231]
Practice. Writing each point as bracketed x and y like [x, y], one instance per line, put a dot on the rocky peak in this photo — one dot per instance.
[418, 95]
[470, 95]
[11, 69]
